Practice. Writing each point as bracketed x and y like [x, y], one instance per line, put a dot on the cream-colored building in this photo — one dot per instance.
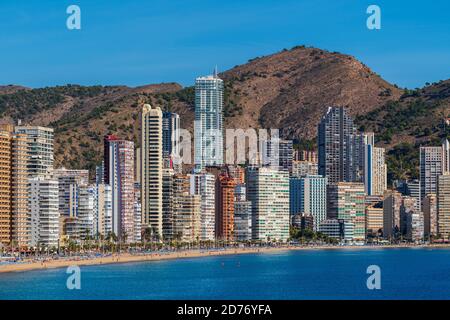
[443, 206]
[375, 170]
[374, 219]
[21, 224]
[430, 214]
[151, 168]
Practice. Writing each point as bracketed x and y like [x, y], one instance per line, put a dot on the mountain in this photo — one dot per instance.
[289, 90]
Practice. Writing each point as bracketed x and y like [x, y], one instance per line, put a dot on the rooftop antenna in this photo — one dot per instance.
[215, 72]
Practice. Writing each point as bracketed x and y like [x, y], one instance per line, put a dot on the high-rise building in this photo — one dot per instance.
[375, 170]
[346, 201]
[225, 187]
[208, 127]
[443, 206]
[268, 192]
[40, 149]
[121, 180]
[242, 214]
[391, 214]
[44, 210]
[429, 205]
[336, 133]
[21, 219]
[68, 180]
[152, 165]
[203, 184]
[106, 156]
[308, 196]
[137, 213]
[103, 209]
[5, 188]
[168, 202]
[170, 136]
[431, 166]
[186, 217]
[85, 212]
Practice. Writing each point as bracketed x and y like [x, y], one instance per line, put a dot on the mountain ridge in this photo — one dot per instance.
[290, 90]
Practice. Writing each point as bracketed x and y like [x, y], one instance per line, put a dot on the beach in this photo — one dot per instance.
[127, 257]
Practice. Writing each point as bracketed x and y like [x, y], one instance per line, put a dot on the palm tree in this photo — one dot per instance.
[147, 236]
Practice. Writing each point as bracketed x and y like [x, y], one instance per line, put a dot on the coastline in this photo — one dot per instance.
[129, 258]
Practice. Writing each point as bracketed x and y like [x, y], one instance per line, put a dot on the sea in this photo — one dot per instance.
[347, 273]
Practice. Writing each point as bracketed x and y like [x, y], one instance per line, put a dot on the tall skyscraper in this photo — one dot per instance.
[106, 156]
[335, 140]
[432, 164]
[152, 165]
[346, 201]
[268, 192]
[21, 219]
[208, 127]
[308, 196]
[443, 206]
[170, 135]
[121, 180]
[203, 184]
[225, 186]
[375, 170]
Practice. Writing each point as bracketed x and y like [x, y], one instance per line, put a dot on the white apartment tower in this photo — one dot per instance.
[268, 191]
[44, 212]
[208, 130]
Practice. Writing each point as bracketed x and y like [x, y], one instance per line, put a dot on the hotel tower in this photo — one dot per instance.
[208, 130]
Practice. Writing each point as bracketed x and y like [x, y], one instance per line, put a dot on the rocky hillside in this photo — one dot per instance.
[417, 118]
[289, 90]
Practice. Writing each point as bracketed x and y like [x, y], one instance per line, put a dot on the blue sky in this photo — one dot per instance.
[150, 41]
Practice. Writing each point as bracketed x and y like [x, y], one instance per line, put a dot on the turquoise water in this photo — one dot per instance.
[308, 274]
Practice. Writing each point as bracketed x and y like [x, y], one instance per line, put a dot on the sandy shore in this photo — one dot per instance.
[125, 257]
